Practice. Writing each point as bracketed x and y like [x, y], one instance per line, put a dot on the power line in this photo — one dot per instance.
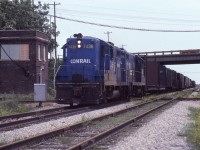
[138, 11]
[26, 72]
[126, 28]
[133, 17]
[144, 22]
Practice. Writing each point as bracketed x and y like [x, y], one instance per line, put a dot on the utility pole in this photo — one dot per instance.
[55, 63]
[108, 33]
[52, 49]
[123, 46]
[54, 4]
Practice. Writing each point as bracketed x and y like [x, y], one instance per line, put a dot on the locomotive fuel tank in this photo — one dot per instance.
[115, 94]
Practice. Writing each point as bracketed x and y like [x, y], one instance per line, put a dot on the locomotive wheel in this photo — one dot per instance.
[71, 104]
[105, 100]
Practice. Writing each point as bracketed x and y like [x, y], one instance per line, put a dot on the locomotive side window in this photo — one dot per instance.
[118, 53]
[127, 57]
[104, 50]
[14, 51]
[111, 52]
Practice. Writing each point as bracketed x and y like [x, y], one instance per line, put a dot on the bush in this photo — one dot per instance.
[12, 107]
[193, 132]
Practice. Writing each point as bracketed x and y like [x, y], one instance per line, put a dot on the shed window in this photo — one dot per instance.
[44, 53]
[39, 53]
[14, 51]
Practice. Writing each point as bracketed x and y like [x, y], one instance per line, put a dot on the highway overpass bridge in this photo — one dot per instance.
[153, 60]
[172, 57]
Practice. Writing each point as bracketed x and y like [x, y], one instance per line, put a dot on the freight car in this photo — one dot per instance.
[193, 83]
[180, 79]
[164, 79]
[94, 71]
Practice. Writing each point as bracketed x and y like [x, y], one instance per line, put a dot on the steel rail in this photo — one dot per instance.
[16, 116]
[63, 129]
[190, 99]
[109, 132]
[38, 118]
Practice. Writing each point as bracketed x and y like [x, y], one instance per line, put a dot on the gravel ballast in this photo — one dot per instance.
[33, 130]
[161, 133]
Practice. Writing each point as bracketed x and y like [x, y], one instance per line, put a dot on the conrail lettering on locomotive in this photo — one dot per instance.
[80, 61]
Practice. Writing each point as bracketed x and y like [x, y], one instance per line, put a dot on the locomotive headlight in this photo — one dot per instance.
[79, 46]
[79, 41]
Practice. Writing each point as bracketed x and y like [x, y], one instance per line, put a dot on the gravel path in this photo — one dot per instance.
[162, 132]
[193, 94]
[33, 130]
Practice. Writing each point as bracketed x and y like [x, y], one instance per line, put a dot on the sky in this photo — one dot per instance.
[146, 14]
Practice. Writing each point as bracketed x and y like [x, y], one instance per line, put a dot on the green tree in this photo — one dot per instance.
[23, 15]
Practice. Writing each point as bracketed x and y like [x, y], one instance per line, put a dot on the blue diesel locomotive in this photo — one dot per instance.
[95, 71]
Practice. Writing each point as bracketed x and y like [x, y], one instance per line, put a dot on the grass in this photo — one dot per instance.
[66, 140]
[184, 94]
[157, 96]
[193, 131]
[2, 143]
[9, 103]
[190, 91]
[16, 97]
[21, 97]
[198, 94]
[12, 107]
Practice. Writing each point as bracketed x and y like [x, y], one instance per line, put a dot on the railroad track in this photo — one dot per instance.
[86, 138]
[25, 119]
[17, 116]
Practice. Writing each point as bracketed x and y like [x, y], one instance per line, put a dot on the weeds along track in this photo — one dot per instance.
[18, 116]
[96, 131]
[83, 134]
[16, 121]
[25, 119]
